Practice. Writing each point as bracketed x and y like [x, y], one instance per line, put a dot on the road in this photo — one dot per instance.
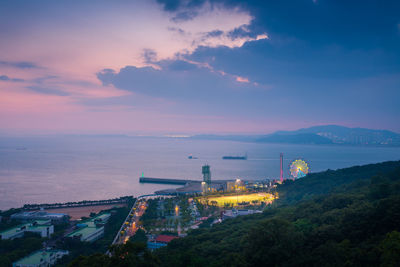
[130, 225]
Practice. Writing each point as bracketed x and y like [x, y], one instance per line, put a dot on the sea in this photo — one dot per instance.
[57, 169]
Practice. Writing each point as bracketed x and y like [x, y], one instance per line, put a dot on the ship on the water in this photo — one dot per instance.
[235, 157]
[192, 157]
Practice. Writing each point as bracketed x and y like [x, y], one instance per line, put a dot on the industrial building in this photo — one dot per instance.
[42, 227]
[91, 230]
[41, 258]
[27, 216]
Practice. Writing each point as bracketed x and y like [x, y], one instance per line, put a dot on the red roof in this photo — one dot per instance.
[165, 238]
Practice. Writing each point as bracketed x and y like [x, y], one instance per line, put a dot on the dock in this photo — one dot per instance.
[166, 181]
[188, 186]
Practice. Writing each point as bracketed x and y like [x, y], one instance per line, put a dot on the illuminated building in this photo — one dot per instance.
[206, 177]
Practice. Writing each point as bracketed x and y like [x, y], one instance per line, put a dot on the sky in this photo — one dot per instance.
[196, 66]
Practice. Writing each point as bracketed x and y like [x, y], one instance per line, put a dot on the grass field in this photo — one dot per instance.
[234, 199]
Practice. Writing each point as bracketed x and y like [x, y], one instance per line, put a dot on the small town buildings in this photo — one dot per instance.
[91, 230]
[26, 216]
[160, 241]
[234, 213]
[42, 227]
[41, 258]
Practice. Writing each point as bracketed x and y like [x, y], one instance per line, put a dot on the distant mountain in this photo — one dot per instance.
[344, 135]
[241, 138]
[326, 134]
[301, 138]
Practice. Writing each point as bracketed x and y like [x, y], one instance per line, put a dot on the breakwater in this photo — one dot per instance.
[165, 181]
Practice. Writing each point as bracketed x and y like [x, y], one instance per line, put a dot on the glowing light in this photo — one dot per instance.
[241, 198]
[299, 169]
[176, 210]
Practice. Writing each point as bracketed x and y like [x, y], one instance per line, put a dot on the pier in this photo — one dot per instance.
[166, 181]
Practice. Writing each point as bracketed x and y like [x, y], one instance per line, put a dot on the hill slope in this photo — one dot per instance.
[348, 217]
[352, 217]
[325, 134]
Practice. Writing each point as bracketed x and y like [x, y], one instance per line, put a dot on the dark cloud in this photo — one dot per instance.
[177, 30]
[19, 64]
[6, 78]
[242, 31]
[106, 76]
[193, 88]
[149, 55]
[175, 5]
[48, 91]
[184, 16]
[177, 65]
[215, 33]
[41, 80]
[371, 24]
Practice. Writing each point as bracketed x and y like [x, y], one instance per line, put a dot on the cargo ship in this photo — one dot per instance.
[235, 157]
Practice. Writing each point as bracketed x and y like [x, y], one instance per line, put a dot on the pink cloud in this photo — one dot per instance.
[242, 79]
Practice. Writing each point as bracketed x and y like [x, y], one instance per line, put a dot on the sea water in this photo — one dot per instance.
[74, 168]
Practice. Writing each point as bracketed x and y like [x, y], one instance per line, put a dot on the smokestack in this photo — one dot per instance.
[281, 176]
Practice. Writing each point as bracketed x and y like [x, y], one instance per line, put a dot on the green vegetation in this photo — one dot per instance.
[140, 236]
[130, 254]
[349, 217]
[13, 250]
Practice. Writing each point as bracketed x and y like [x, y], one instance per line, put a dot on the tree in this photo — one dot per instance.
[140, 236]
[390, 247]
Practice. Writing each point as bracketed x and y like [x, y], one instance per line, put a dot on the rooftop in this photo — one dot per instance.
[39, 256]
[165, 238]
[85, 231]
[103, 216]
[90, 226]
[13, 230]
[28, 226]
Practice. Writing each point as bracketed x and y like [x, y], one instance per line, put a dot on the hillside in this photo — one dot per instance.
[345, 135]
[325, 134]
[352, 216]
[301, 138]
[347, 217]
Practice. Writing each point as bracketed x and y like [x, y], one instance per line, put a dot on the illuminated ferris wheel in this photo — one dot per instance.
[298, 168]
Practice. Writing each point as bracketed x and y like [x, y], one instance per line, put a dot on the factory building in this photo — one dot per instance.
[92, 229]
[27, 216]
[41, 258]
[42, 227]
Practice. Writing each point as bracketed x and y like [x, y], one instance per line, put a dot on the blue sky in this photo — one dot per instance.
[137, 67]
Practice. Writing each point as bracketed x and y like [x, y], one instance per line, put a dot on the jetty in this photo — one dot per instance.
[166, 181]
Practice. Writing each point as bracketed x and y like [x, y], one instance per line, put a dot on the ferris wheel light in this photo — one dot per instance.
[298, 168]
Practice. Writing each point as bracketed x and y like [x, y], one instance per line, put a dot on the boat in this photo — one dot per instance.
[235, 157]
[192, 157]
